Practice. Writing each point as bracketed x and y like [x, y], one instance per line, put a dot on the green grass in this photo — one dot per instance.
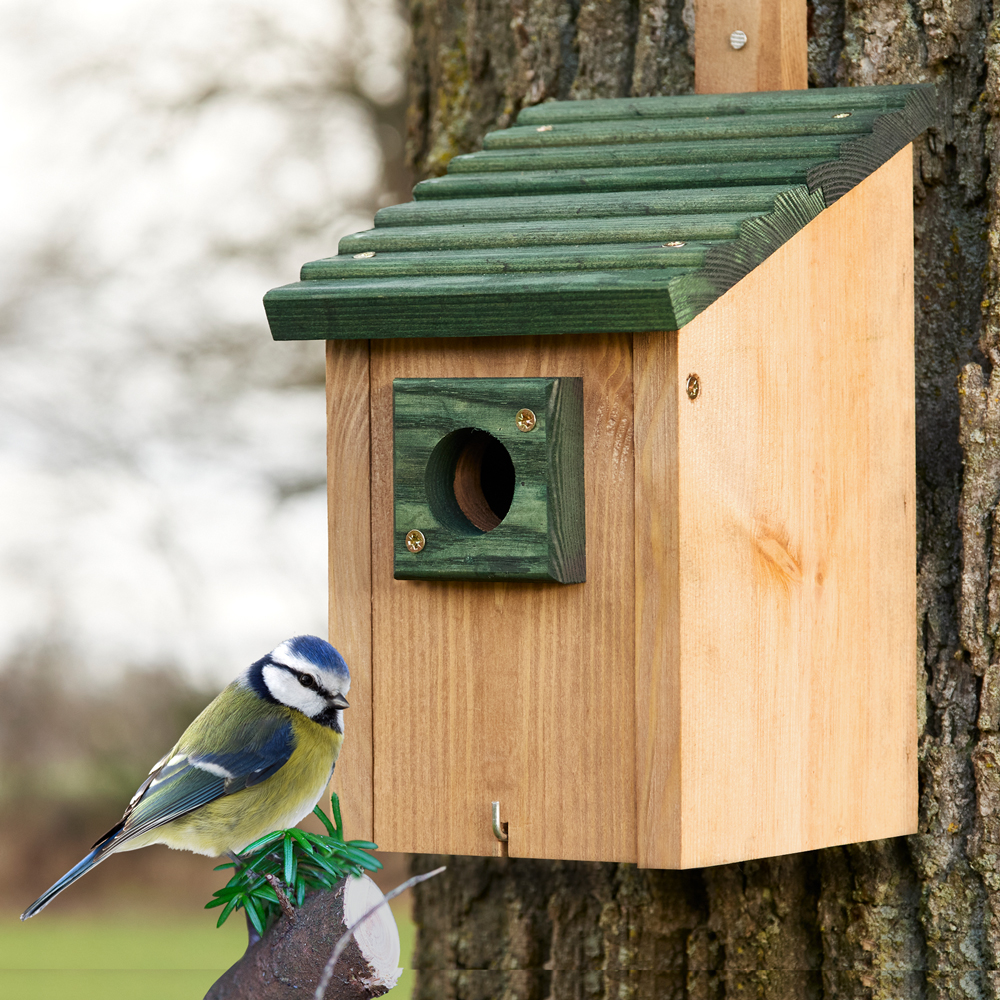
[102, 957]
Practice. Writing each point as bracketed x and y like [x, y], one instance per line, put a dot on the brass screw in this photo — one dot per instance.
[525, 420]
[365, 255]
[693, 386]
[415, 540]
[843, 114]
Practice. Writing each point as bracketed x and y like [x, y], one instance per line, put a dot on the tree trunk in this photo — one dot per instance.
[907, 918]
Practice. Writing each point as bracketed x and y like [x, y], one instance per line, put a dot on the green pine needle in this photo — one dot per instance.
[304, 862]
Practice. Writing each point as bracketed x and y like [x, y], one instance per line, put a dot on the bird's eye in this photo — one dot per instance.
[307, 681]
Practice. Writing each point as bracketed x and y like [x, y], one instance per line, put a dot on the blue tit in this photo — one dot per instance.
[257, 759]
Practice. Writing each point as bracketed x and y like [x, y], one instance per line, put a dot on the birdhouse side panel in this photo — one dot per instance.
[795, 677]
[520, 692]
[349, 511]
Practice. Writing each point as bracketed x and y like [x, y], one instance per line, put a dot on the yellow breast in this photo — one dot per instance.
[231, 822]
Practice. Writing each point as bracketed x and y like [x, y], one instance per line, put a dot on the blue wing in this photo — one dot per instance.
[184, 780]
[188, 780]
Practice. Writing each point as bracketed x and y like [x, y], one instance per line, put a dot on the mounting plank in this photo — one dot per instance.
[775, 56]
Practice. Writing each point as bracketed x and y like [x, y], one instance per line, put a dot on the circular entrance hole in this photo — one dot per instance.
[470, 481]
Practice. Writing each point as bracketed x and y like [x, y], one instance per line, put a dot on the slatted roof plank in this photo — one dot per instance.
[602, 216]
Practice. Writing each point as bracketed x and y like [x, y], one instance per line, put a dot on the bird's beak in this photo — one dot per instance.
[339, 701]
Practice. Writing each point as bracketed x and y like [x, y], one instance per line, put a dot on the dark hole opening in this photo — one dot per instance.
[470, 481]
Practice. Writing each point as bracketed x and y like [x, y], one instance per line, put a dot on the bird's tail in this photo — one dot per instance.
[96, 856]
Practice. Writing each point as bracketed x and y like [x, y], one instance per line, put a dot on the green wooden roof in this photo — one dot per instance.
[601, 216]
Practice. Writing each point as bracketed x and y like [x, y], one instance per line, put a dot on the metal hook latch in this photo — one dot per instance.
[497, 828]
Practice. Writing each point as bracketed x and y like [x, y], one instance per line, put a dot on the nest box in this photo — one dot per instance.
[621, 481]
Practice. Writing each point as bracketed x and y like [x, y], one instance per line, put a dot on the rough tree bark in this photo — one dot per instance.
[908, 918]
[288, 962]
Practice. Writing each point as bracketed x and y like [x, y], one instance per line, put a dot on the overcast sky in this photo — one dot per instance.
[161, 459]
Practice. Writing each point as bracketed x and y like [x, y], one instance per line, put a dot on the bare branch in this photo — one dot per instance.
[279, 890]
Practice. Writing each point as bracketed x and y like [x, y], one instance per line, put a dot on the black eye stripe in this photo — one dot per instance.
[306, 680]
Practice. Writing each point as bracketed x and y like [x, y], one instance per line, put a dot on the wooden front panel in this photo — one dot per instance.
[793, 590]
[520, 692]
[348, 505]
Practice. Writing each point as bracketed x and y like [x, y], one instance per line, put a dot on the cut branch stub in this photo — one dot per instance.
[289, 960]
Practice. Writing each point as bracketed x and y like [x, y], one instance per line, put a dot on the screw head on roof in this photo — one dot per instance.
[544, 128]
[738, 39]
[674, 243]
[843, 114]
[415, 540]
[365, 255]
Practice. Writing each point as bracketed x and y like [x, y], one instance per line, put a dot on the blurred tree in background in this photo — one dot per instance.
[908, 918]
[162, 501]
[161, 457]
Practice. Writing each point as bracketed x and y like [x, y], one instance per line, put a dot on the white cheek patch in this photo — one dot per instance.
[285, 687]
[284, 655]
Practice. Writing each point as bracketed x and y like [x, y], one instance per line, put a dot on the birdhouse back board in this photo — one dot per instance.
[772, 53]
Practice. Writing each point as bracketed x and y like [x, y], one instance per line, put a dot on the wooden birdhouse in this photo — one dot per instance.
[621, 481]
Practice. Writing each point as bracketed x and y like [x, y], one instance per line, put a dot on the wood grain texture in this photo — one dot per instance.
[659, 802]
[541, 232]
[745, 198]
[518, 183]
[708, 105]
[511, 305]
[541, 535]
[647, 154]
[348, 500]
[891, 132]
[517, 692]
[597, 224]
[566, 497]
[706, 129]
[795, 578]
[775, 56]
[598, 257]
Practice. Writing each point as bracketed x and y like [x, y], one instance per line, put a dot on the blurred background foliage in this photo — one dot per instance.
[161, 459]
[64, 740]
[162, 503]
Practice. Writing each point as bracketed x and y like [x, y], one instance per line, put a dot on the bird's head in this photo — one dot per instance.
[307, 674]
